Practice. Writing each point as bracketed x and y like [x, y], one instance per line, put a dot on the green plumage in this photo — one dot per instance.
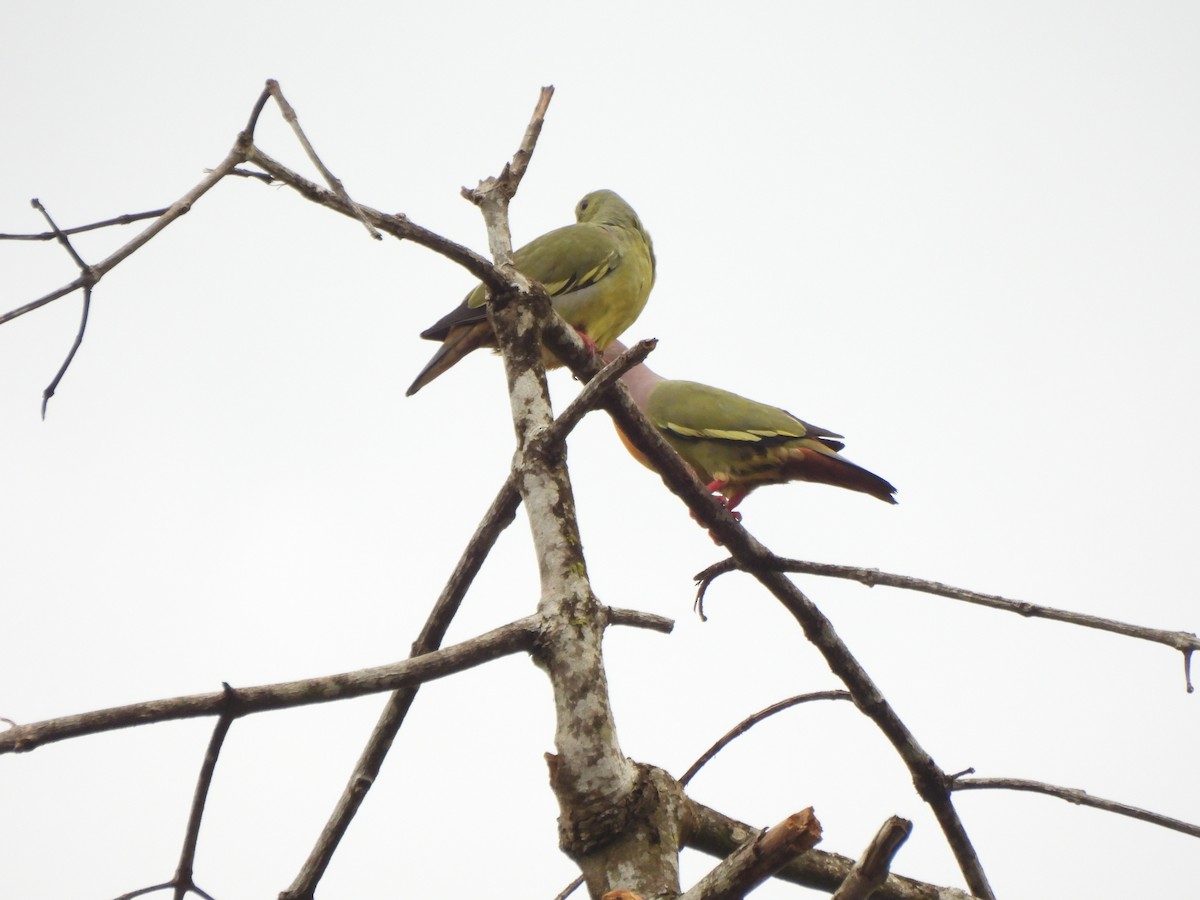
[598, 273]
[735, 444]
[724, 436]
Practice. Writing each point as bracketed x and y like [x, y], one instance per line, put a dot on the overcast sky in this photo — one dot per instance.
[963, 235]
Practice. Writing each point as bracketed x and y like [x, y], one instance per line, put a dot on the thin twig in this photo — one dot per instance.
[499, 515]
[521, 159]
[589, 398]
[165, 886]
[332, 180]
[184, 872]
[184, 881]
[750, 721]
[871, 870]
[62, 370]
[125, 219]
[569, 889]
[1183, 641]
[1079, 798]
[264, 177]
[516, 637]
[181, 206]
[85, 272]
[59, 235]
[397, 225]
[256, 111]
[238, 154]
[141, 892]
[504, 187]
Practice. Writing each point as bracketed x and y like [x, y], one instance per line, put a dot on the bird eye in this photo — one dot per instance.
[583, 204]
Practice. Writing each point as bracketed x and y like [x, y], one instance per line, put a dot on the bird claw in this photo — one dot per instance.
[715, 488]
[588, 342]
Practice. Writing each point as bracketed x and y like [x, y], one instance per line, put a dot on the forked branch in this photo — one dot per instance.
[516, 637]
[930, 781]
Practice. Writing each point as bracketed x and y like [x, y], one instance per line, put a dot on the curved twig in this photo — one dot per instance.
[85, 272]
[184, 872]
[750, 721]
[1183, 641]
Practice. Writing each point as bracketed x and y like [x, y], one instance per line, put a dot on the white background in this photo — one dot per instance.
[965, 236]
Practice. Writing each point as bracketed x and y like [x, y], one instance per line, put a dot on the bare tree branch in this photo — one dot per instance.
[95, 272]
[515, 637]
[1183, 641]
[87, 304]
[126, 219]
[871, 870]
[498, 517]
[141, 892]
[590, 397]
[500, 190]
[59, 235]
[332, 180]
[929, 780]
[397, 224]
[600, 792]
[758, 859]
[570, 889]
[184, 883]
[1078, 797]
[752, 720]
[184, 872]
[718, 835]
[635, 618]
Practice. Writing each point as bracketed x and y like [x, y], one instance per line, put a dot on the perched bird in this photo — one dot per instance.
[735, 445]
[598, 273]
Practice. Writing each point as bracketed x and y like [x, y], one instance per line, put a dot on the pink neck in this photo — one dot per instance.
[640, 380]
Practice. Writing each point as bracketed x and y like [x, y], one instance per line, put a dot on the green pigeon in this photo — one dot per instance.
[598, 273]
[735, 445]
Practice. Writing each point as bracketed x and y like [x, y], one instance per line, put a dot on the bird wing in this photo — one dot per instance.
[565, 260]
[695, 411]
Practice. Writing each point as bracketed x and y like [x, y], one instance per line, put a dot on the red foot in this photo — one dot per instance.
[729, 502]
[728, 499]
[588, 342]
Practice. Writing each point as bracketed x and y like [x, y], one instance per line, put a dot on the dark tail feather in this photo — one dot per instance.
[812, 465]
[458, 343]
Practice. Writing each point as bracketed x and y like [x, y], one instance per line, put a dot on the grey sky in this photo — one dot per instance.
[963, 235]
